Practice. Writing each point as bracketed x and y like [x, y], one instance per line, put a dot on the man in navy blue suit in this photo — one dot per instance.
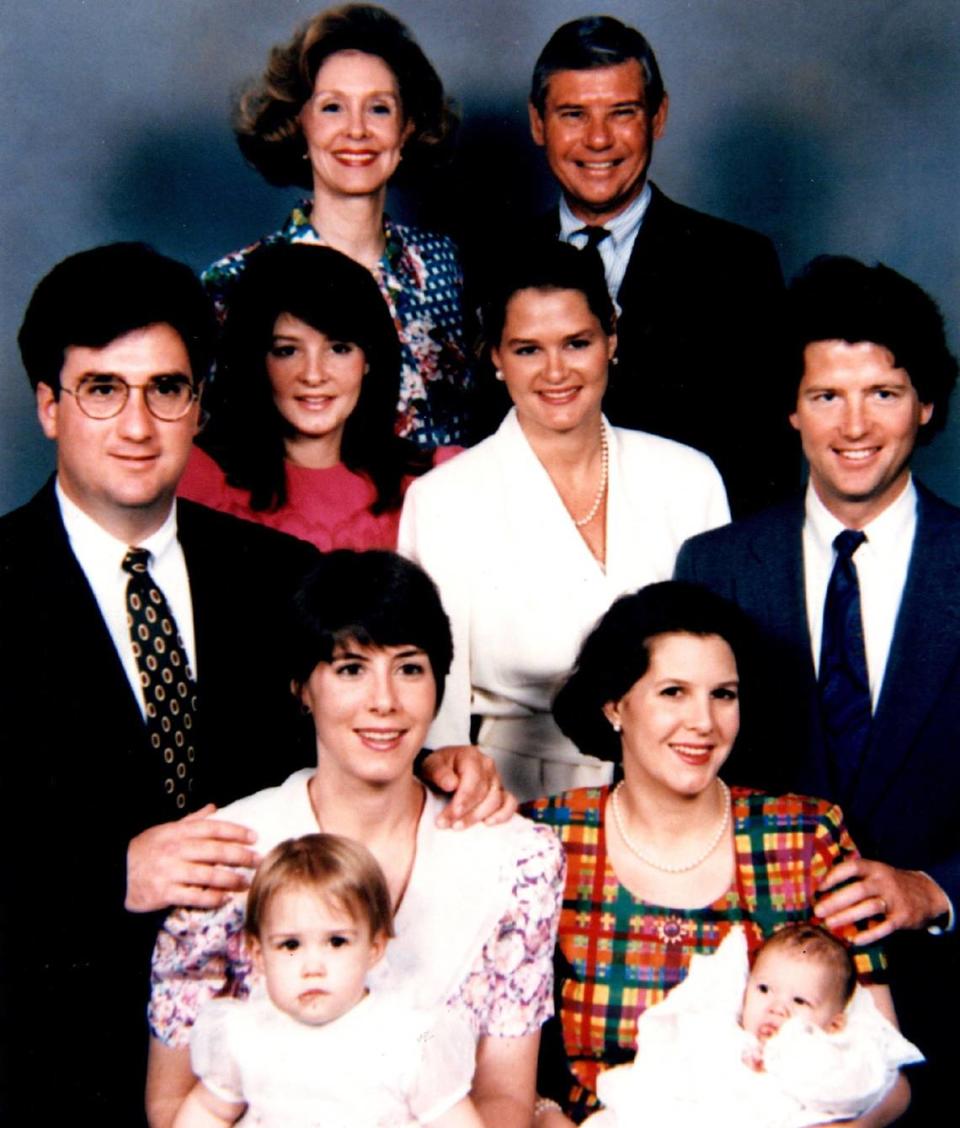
[698, 297]
[873, 378]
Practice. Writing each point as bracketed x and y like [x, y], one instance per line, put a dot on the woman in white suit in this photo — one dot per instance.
[533, 533]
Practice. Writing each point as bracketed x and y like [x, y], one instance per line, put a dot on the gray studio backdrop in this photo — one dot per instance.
[831, 125]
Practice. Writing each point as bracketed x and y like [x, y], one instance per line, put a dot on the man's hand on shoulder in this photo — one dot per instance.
[472, 777]
[902, 898]
[196, 861]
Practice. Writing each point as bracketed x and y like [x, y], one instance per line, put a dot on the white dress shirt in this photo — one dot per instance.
[881, 561]
[101, 558]
[616, 249]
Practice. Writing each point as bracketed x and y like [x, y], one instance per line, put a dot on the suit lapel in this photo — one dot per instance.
[777, 556]
[924, 650]
[209, 585]
[68, 610]
[775, 594]
[648, 256]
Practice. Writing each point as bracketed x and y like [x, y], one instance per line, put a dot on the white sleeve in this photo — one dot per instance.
[707, 496]
[843, 1074]
[210, 1055]
[444, 1067]
[429, 538]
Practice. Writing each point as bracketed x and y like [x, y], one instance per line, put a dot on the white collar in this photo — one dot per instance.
[884, 532]
[92, 544]
[622, 227]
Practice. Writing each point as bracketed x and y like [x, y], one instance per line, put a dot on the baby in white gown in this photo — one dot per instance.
[316, 1047]
[791, 1043]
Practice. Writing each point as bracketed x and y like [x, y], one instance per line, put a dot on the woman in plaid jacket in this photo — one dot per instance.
[664, 863]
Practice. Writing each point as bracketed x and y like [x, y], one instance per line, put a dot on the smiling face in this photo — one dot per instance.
[554, 355]
[314, 955]
[858, 416]
[315, 380]
[679, 720]
[598, 137]
[784, 984]
[354, 125]
[371, 709]
[121, 471]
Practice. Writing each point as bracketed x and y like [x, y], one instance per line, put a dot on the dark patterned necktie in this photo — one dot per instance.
[169, 691]
[844, 681]
[595, 235]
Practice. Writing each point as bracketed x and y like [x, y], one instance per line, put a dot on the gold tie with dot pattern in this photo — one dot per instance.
[169, 691]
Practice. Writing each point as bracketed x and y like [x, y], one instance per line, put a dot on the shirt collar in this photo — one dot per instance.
[883, 533]
[93, 545]
[623, 227]
[401, 266]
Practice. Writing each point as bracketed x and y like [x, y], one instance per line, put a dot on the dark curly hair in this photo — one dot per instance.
[337, 297]
[616, 654]
[837, 298]
[267, 114]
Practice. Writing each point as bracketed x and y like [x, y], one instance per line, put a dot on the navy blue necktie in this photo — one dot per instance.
[844, 682]
[595, 235]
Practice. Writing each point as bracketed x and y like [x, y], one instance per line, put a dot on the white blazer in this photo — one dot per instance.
[519, 583]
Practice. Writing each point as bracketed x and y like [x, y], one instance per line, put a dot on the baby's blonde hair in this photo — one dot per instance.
[331, 866]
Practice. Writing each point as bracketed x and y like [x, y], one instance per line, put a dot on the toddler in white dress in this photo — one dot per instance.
[316, 1047]
[792, 1042]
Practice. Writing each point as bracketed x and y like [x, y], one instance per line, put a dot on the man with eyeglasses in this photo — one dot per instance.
[116, 342]
[141, 677]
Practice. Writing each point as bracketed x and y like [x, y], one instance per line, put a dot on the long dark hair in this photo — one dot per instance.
[337, 297]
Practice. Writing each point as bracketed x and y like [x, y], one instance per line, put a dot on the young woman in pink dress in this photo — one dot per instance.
[301, 432]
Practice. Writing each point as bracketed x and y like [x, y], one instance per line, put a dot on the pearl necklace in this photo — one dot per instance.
[687, 866]
[604, 475]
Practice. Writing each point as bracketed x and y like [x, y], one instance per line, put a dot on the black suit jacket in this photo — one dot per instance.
[78, 779]
[699, 352]
[905, 806]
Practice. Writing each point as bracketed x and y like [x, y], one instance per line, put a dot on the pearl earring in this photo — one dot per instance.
[616, 726]
[498, 374]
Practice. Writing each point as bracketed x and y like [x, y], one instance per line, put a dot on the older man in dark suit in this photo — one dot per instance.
[857, 591]
[142, 648]
[699, 297]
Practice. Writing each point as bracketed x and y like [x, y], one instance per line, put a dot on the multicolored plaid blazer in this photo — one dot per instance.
[617, 955]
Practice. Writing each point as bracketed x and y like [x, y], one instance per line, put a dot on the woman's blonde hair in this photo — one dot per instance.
[267, 115]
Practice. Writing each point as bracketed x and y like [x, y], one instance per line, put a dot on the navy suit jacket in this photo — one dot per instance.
[698, 348]
[78, 769]
[905, 806]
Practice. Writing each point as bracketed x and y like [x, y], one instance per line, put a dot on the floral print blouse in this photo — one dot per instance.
[421, 281]
[506, 992]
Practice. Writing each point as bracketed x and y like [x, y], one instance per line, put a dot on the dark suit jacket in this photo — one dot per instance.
[905, 807]
[78, 770]
[699, 352]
